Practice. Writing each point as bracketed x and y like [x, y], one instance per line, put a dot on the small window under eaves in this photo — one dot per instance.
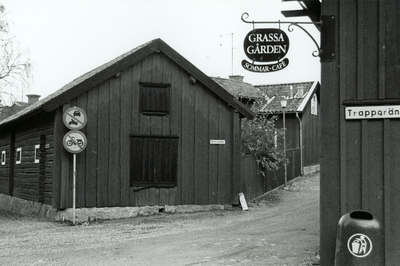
[155, 99]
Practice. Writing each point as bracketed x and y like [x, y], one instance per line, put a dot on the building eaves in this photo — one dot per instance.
[239, 89]
[111, 68]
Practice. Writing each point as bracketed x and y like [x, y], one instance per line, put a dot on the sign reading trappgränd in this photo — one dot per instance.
[372, 112]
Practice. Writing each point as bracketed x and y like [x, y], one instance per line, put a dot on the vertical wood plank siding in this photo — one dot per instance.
[91, 150]
[196, 116]
[81, 182]
[311, 136]
[359, 166]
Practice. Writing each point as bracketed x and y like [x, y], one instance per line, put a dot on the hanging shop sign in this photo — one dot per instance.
[266, 45]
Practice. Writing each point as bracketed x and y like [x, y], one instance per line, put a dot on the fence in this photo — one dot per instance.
[253, 183]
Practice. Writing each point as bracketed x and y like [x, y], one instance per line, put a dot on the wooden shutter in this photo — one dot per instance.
[155, 99]
[154, 161]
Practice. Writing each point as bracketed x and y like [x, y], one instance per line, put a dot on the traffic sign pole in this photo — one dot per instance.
[74, 189]
[75, 142]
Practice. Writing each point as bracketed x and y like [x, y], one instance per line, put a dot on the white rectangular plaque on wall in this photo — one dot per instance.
[372, 112]
[217, 141]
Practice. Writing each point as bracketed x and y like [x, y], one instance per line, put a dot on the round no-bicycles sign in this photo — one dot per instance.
[75, 141]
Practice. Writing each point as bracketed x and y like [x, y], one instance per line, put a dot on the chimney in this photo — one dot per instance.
[32, 98]
[291, 92]
[300, 92]
[237, 78]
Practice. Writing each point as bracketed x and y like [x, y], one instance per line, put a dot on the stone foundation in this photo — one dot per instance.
[108, 213]
[311, 169]
[25, 207]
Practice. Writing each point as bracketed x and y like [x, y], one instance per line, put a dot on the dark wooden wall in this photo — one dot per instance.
[5, 138]
[292, 130]
[28, 180]
[205, 171]
[359, 166]
[311, 135]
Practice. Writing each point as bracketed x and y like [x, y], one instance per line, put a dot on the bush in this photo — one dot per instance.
[260, 137]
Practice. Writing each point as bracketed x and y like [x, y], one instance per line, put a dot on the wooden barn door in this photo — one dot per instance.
[154, 161]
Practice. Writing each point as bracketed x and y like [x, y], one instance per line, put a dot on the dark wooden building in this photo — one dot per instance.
[360, 149]
[159, 132]
[303, 120]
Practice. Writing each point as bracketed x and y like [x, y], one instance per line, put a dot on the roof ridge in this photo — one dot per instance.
[233, 80]
[281, 84]
[106, 70]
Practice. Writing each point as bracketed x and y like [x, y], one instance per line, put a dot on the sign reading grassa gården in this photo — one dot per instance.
[266, 45]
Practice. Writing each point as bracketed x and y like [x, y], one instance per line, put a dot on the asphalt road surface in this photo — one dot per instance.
[280, 228]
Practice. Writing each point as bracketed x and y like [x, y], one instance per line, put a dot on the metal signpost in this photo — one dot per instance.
[74, 142]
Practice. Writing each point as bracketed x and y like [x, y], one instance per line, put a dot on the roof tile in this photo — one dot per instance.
[289, 91]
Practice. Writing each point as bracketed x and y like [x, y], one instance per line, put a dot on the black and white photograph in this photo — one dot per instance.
[199, 132]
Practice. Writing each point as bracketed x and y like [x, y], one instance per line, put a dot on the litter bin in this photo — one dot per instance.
[359, 240]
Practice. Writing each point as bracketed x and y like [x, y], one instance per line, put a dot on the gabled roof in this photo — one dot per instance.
[290, 91]
[6, 111]
[106, 71]
[239, 89]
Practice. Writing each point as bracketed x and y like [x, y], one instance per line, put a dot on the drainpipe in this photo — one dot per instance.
[301, 143]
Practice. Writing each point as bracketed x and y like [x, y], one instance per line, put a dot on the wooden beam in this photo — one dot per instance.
[296, 13]
[312, 9]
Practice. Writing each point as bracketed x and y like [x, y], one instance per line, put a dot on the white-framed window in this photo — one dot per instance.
[18, 156]
[3, 158]
[314, 105]
[37, 153]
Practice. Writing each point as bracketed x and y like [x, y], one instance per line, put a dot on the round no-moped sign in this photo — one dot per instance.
[75, 141]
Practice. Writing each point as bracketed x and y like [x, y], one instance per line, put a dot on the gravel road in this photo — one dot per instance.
[280, 228]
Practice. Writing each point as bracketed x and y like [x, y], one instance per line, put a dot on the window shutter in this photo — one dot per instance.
[154, 161]
[155, 99]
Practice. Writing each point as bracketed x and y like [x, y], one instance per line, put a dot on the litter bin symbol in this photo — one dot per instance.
[359, 240]
[359, 245]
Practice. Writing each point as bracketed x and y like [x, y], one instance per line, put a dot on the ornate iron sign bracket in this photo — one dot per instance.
[316, 53]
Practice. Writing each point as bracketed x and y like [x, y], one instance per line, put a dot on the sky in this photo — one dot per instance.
[66, 39]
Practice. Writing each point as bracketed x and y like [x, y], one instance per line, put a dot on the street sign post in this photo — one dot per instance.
[74, 142]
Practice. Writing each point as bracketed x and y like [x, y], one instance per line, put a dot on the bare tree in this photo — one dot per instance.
[15, 66]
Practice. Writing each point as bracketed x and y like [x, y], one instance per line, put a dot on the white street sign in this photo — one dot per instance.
[75, 118]
[217, 141]
[75, 141]
[372, 112]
